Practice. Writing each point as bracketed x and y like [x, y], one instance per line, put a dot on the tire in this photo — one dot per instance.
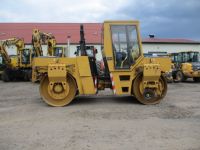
[180, 76]
[28, 75]
[196, 79]
[140, 96]
[5, 76]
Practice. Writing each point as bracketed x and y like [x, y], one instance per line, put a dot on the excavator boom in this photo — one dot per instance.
[36, 42]
[19, 43]
[19, 66]
[4, 54]
[39, 38]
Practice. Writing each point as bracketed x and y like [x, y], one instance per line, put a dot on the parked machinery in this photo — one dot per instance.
[157, 55]
[186, 65]
[37, 43]
[2, 65]
[127, 72]
[18, 66]
[40, 38]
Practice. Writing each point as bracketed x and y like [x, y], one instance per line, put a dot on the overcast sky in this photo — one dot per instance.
[164, 18]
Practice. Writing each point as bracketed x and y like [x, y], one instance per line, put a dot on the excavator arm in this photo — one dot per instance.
[39, 38]
[36, 42]
[4, 53]
[50, 40]
[19, 43]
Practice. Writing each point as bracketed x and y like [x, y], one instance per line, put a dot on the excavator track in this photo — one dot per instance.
[5, 76]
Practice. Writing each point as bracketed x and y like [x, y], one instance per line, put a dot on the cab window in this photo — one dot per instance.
[58, 51]
[125, 45]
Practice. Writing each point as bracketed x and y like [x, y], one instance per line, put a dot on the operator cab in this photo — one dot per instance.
[185, 57]
[125, 45]
[174, 57]
[190, 56]
[91, 51]
[59, 51]
[26, 56]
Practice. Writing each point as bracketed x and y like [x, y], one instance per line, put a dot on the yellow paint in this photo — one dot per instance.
[78, 69]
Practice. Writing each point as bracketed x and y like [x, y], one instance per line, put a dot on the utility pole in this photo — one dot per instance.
[68, 45]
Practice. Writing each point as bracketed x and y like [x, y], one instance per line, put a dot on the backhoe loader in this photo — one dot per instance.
[186, 65]
[16, 67]
[127, 71]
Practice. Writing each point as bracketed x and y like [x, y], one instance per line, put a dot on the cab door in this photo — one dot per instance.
[125, 45]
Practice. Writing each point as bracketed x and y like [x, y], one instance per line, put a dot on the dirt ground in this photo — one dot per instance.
[99, 123]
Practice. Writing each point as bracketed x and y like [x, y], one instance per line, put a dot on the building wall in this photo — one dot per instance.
[170, 47]
[71, 51]
[146, 48]
[12, 50]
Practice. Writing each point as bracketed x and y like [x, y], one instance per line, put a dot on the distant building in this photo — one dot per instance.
[70, 31]
[169, 45]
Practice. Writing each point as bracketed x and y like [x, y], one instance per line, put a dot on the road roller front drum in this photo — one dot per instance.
[58, 94]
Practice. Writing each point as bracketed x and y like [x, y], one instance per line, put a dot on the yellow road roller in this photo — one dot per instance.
[126, 70]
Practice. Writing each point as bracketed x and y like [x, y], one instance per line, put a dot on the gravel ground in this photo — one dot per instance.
[99, 123]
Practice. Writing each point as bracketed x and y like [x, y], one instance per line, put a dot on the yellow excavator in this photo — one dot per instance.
[17, 67]
[40, 38]
[127, 71]
[37, 43]
[186, 65]
[2, 65]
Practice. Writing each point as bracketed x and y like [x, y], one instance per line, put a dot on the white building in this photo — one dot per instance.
[70, 31]
[170, 45]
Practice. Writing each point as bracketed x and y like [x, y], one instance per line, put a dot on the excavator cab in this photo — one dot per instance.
[189, 57]
[174, 57]
[17, 67]
[59, 51]
[183, 57]
[26, 56]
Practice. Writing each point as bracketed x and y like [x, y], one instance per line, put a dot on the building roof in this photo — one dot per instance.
[62, 30]
[170, 41]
